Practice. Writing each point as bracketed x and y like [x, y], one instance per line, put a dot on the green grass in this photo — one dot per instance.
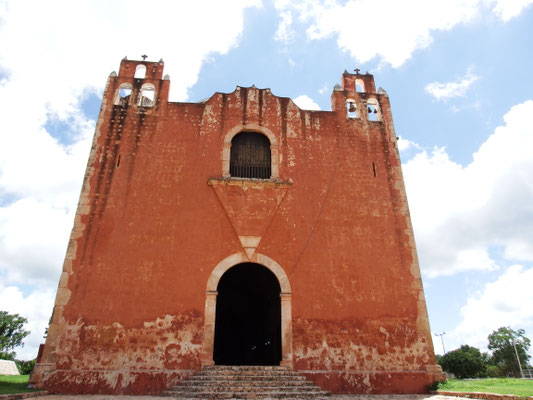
[519, 387]
[14, 384]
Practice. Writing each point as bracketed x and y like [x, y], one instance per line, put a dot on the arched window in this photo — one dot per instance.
[351, 110]
[374, 113]
[122, 97]
[140, 71]
[250, 156]
[147, 97]
[359, 85]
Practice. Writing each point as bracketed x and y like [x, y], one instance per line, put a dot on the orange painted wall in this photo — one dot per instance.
[129, 314]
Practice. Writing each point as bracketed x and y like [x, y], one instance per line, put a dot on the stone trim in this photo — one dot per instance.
[211, 301]
[249, 182]
[274, 148]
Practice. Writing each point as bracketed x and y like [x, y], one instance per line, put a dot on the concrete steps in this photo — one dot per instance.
[246, 382]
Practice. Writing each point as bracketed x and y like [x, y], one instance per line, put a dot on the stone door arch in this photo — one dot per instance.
[211, 301]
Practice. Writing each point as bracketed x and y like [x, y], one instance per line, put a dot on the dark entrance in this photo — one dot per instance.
[248, 317]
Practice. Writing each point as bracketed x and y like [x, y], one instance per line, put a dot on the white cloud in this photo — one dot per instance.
[33, 239]
[51, 59]
[358, 25]
[507, 9]
[285, 33]
[323, 89]
[36, 308]
[445, 91]
[508, 301]
[406, 144]
[460, 212]
[306, 103]
[388, 30]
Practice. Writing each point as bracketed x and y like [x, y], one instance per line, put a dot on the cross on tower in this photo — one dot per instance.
[144, 57]
[357, 70]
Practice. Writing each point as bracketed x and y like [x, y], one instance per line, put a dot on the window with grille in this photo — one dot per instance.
[250, 156]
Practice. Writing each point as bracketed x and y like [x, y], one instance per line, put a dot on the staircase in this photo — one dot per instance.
[246, 382]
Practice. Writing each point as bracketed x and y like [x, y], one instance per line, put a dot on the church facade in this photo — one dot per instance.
[241, 230]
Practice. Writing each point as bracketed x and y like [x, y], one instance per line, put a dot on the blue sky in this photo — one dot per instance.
[458, 74]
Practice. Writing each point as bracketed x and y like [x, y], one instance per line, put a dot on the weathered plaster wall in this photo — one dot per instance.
[157, 214]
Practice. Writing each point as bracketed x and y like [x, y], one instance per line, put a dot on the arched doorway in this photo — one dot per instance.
[248, 317]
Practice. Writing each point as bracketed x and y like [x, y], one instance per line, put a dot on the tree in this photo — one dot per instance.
[25, 367]
[465, 362]
[12, 333]
[438, 358]
[502, 342]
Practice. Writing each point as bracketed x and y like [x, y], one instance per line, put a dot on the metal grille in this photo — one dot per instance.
[250, 156]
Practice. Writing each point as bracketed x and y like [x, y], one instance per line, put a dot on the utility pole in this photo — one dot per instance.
[442, 340]
[516, 352]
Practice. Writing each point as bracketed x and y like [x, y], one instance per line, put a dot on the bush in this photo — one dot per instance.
[465, 362]
[7, 355]
[25, 367]
[494, 371]
[435, 385]
[438, 358]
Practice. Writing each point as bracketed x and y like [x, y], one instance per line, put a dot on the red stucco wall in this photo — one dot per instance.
[151, 227]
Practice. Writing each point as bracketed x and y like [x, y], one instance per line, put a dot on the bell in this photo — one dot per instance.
[352, 107]
[375, 110]
[369, 110]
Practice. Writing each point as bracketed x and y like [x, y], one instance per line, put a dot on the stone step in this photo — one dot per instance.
[247, 373]
[247, 378]
[236, 388]
[246, 368]
[246, 382]
[205, 377]
[249, 395]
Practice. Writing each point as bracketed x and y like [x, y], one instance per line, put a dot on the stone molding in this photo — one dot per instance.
[274, 150]
[211, 301]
